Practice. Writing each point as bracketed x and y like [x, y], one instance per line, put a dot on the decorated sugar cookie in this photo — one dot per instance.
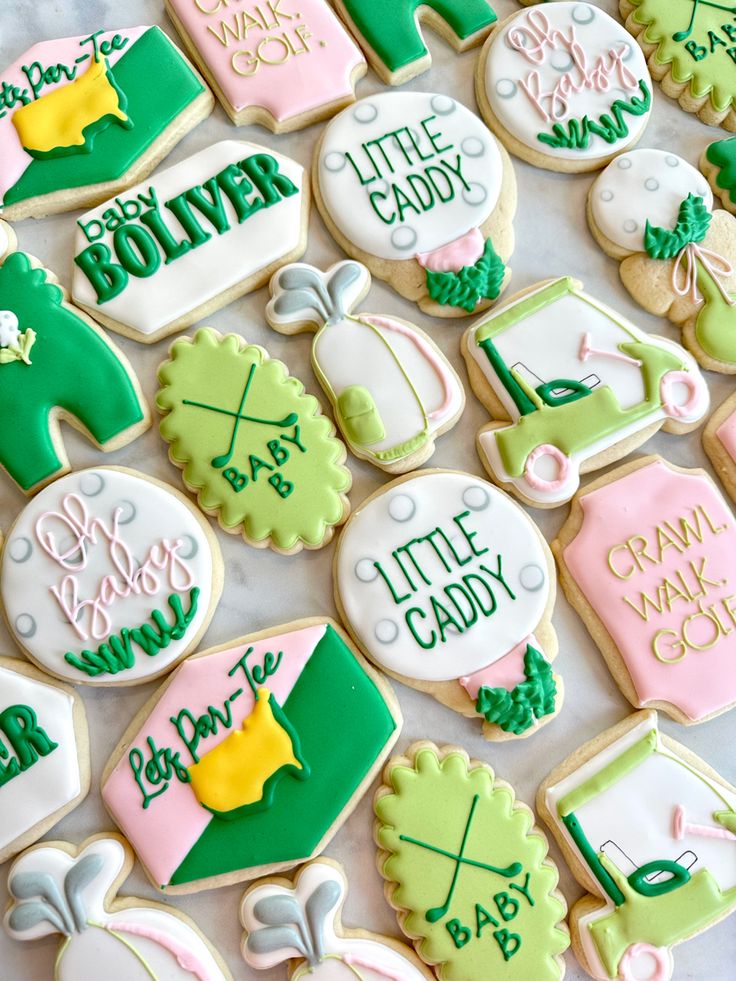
[44, 754]
[654, 211]
[300, 923]
[191, 239]
[719, 442]
[690, 46]
[253, 446]
[109, 577]
[580, 385]
[447, 585]
[82, 118]
[718, 163]
[55, 365]
[646, 559]
[247, 761]
[392, 390]
[57, 888]
[390, 31]
[284, 63]
[467, 869]
[564, 86]
[414, 186]
[649, 829]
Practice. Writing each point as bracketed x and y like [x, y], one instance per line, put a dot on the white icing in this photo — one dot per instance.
[643, 185]
[148, 515]
[179, 287]
[53, 781]
[411, 509]
[508, 70]
[347, 201]
[545, 345]
[4, 239]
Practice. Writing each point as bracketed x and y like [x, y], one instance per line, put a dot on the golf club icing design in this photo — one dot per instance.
[391, 389]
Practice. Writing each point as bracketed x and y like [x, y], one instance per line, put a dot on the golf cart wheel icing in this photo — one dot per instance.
[564, 470]
[673, 407]
[659, 958]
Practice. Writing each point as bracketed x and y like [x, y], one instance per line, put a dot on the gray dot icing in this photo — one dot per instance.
[506, 88]
[129, 512]
[476, 498]
[386, 631]
[192, 547]
[365, 570]
[334, 161]
[20, 549]
[472, 146]
[443, 105]
[404, 238]
[402, 507]
[583, 13]
[25, 625]
[651, 184]
[532, 577]
[365, 112]
[606, 195]
[474, 194]
[92, 483]
[624, 163]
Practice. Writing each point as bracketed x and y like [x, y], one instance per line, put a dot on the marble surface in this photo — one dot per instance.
[262, 589]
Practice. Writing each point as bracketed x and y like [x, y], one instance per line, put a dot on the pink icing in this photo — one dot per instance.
[463, 251]
[726, 434]
[165, 832]
[507, 672]
[681, 827]
[429, 353]
[659, 955]
[563, 465]
[185, 957]
[716, 265]
[371, 965]
[288, 56]
[47, 53]
[668, 390]
[625, 575]
[588, 351]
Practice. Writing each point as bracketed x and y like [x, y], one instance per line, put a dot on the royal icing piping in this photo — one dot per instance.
[568, 81]
[82, 110]
[390, 388]
[307, 913]
[107, 577]
[55, 893]
[617, 813]
[155, 254]
[241, 740]
[288, 57]
[553, 359]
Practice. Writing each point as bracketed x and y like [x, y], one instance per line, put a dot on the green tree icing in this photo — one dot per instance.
[693, 222]
[722, 154]
[471, 284]
[576, 134]
[517, 710]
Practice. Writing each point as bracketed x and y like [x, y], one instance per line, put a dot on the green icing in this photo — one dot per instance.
[727, 819]
[517, 710]
[343, 723]
[20, 729]
[610, 775]
[250, 441]
[693, 222]
[575, 134]
[73, 369]
[698, 41]
[469, 872]
[158, 85]
[722, 154]
[469, 285]
[359, 416]
[390, 26]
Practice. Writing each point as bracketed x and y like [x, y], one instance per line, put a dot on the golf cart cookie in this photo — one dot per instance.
[250, 757]
[55, 365]
[447, 584]
[580, 384]
[646, 558]
[109, 577]
[284, 64]
[190, 239]
[82, 118]
[564, 86]
[719, 442]
[414, 186]
[390, 31]
[253, 446]
[649, 830]
[392, 390]
[300, 924]
[44, 754]
[467, 869]
[690, 47]
[56, 888]
[654, 211]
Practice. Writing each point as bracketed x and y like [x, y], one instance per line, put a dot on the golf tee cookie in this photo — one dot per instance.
[448, 586]
[580, 385]
[250, 757]
[390, 31]
[392, 390]
[467, 869]
[82, 118]
[564, 86]
[414, 186]
[654, 211]
[193, 238]
[300, 923]
[645, 559]
[56, 888]
[649, 830]
[55, 365]
[109, 577]
[44, 754]
[253, 446]
[284, 64]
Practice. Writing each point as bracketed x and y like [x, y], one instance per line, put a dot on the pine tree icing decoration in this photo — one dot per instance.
[517, 710]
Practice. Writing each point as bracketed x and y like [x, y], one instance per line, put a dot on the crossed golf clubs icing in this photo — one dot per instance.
[684, 35]
[222, 461]
[438, 912]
